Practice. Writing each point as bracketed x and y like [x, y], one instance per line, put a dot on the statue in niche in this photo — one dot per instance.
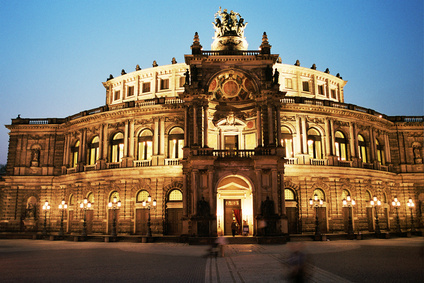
[276, 77]
[35, 157]
[187, 77]
[203, 208]
[267, 208]
[194, 73]
[417, 155]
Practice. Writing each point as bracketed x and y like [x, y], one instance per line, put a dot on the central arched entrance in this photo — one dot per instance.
[234, 203]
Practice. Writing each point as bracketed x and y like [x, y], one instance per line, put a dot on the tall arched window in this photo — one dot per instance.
[71, 200]
[362, 149]
[367, 196]
[142, 196]
[345, 194]
[93, 151]
[320, 194]
[74, 154]
[287, 141]
[117, 146]
[341, 145]
[113, 195]
[176, 143]
[145, 145]
[90, 197]
[380, 152]
[314, 144]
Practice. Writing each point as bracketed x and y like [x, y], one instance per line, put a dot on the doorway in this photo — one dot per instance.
[141, 217]
[232, 213]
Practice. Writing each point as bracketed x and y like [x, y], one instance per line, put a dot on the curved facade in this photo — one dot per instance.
[229, 135]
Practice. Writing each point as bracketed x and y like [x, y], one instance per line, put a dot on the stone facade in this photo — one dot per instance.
[229, 135]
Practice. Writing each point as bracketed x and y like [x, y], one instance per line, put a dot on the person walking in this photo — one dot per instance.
[234, 228]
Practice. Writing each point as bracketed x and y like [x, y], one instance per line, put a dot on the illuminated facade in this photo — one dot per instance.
[229, 135]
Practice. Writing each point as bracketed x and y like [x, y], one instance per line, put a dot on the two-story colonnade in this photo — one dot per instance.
[229, 135]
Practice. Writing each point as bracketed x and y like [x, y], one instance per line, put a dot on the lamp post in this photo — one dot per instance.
[315, 202]
[114, 205]
[411, 207]
[349, 203]
[376, 203]
[62, 206]
[85, 205]
[148, 204]
[396, 204]
[46, 208]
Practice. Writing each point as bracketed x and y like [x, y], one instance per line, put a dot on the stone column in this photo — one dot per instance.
[205, 126]
[106, 143]
[333, 140]
[270, 125]
[372, 146]
[352, 140]
[274, 186]
[327, 137]
[212, 197]
[126, 139]
[195, 134]
[278, 124]
[259, 126]
[387, 148]
[100, 157]
[131, 137]
[186, 130]
[194, 174]
[185, 194]
[66, 151]
[298, 142]
[162, 136]
[156, 138]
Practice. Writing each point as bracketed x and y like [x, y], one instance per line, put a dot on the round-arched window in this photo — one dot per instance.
[175, 195]
[113, 195]
[289, 194]
[142, 196]
[320, 194]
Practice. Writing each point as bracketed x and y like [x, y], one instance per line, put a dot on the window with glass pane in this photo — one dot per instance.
[305, 86]
[90, 197]
[319, 193]
[230, 142]
[145, 145]
[314, 144]
[142, 196]
[74, 154]
[362, 149]
[321, 89]
[289, 194]
[146, 87]
[176, 143]
[117, 147]
[345, 193]
[367, 195]
[380, 152]
[164, 84]
[341, 146]
[93, 151]
[130, 91]
[287, 141]
[175, 195]
[113, 195]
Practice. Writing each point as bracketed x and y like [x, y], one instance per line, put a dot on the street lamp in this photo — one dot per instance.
[46, 208]
[85, 205]
[62, 206]
[349, 203]
[396, 204]
[315, 202]
[411, 207]
[376, 203]
[149, 203]
[114, 205]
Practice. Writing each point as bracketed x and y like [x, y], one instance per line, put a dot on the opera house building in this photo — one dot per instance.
[230, 135]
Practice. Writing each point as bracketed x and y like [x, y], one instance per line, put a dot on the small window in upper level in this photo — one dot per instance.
[305, 86]
[146, 87]
[164, 84]
[289, 83]
[321, 89]
[130, 91]
[333, 93]
[117, 94]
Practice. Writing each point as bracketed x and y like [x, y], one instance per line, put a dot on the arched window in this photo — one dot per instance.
[384, 198]
[113, 195]
[380, 152]
[367, 195]
[287, 141]
[74, 154]
[341, 145]
[71, 200]
[90, 197]
[314, 144]
[345, 194]
[320, 194]
[362, 149]
[145, 145]
[289, 194]
[176, 143]
[175, 195]
[142, 196]
[93, 151]
[117, 146]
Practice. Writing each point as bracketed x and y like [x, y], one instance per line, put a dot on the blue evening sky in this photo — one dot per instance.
[56, 54]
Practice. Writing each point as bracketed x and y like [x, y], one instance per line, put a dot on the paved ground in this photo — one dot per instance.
[379, 260]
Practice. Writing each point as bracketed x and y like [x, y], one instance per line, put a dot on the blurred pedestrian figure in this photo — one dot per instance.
[221, 241]
[234, 228]
[297, 263]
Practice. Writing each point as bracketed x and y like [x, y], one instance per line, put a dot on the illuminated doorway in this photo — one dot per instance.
[234, 202]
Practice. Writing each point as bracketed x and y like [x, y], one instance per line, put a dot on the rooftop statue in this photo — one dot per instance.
[228, 24]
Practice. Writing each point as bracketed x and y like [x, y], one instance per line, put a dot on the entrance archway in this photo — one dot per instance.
[234, 203]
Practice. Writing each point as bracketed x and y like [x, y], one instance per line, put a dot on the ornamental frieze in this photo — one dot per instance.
[288, 118]
[315, 120]
[341, 123]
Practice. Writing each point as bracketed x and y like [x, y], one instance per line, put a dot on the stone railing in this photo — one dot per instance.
[242, 153]
[89, 167]
[291, 161]
[172, 161]
[142, 163]
[318, 162]
[113, 165]
[231, 52]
